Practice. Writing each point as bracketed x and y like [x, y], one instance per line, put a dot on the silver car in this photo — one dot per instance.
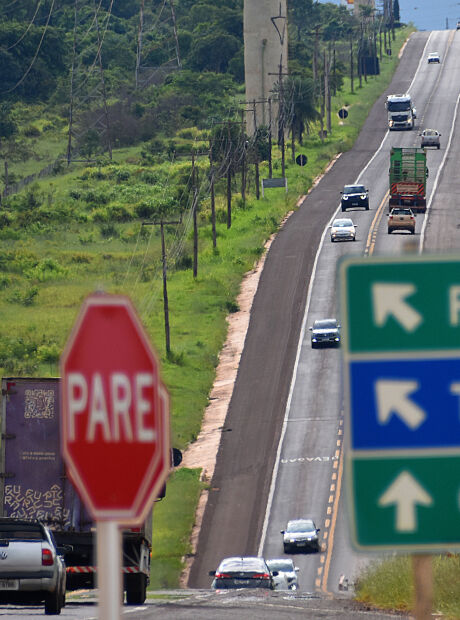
[430, 137]
[343, 229]
[32, 569]
[286, 573]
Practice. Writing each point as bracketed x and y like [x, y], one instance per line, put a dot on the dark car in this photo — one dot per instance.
[242, 572]
[301, 535]
[325, 333]
[354, 196]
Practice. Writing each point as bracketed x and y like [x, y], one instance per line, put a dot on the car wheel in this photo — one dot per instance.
[390, 230]
[354, 238]
[412, 232]
[53, 603]
[367, 207]
[438, 146]
[343, 209]
[287, 547]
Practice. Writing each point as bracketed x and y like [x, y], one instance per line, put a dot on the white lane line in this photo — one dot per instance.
[435, 184]
[271, 492]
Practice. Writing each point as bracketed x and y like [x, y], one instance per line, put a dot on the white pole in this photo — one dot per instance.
[109, 569]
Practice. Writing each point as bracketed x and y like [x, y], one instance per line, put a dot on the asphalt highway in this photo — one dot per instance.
[282, 456]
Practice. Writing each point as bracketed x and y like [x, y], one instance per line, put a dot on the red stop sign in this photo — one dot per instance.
[115, 412]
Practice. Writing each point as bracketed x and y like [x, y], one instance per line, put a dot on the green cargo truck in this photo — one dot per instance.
[408, 175]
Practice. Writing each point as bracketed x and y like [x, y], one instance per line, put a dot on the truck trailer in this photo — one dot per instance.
[408, 175]
[34, 485]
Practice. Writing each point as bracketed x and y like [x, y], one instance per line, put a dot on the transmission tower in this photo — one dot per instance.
[89, 124]
[158, 51]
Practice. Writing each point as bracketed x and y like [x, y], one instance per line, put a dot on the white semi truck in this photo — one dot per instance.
[401, 112]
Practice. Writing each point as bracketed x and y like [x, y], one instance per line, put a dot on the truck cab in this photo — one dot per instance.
[401, 112]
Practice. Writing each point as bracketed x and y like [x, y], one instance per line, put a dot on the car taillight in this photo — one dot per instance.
[261, 576]
[47, 557]
[391, 217]
[222, 576]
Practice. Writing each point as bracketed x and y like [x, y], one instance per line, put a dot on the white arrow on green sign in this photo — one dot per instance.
[401, 350]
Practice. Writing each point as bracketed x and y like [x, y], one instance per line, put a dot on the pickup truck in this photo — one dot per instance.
[32, 570]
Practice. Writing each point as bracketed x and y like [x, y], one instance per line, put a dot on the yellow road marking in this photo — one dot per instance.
[332, 530]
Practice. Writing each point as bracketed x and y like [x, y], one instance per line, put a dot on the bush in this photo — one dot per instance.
[48, 353]
[46, 270]
[108, 230]
[31, 131]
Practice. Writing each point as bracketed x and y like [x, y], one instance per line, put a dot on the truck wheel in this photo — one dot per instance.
[137, 591]
[53, 603]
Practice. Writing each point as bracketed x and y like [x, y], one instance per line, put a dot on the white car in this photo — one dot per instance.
[286, 577]
[430, 137]
[433, 57]
[343, 229]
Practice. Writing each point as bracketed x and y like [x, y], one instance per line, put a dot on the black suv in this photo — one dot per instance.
[355, 196]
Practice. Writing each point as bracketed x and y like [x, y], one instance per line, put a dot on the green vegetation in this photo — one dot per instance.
[80, 228]
[389, 585]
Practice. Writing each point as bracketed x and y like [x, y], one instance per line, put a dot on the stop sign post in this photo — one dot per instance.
[115, 427]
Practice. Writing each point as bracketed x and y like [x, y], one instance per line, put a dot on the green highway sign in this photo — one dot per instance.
[406, 502]
[402, 304]
[401, 351]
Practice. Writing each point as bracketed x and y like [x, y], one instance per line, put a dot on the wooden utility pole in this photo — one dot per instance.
[243, 160]
[213, 197]
[161, 224]
[229, 178]
[195, 232]
[256, 150]
[351, 63]
[270, 167]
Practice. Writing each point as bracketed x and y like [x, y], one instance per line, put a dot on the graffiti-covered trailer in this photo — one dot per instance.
[34, 485]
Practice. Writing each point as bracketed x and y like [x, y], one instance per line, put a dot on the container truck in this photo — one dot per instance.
[408, 175]
[34, 485]
[401, 112]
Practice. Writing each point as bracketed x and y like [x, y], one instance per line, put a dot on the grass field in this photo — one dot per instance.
[73, 233]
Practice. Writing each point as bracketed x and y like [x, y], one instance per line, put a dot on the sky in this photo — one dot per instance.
[425, 14]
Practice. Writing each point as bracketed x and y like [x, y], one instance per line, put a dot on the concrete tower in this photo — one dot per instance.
[265, 50]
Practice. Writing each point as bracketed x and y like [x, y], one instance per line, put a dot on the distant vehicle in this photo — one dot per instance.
[354, 196]
[326, 333]
[401, 218]
[32, 568]
[343, 229]
[301, 535]
[433, 57]
[242, 572]
[430, 137]
[401, 112]
[286, 579]
[458, 25]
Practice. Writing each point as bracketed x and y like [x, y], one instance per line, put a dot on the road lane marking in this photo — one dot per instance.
[332, 528]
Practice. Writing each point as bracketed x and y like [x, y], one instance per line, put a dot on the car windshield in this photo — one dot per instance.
[281, 565]
[326, 324]
[341, 223]
[354, 189]
[303, 525]
[401, 212]
[398, 106]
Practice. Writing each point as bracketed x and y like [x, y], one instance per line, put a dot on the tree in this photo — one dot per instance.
[396, 14]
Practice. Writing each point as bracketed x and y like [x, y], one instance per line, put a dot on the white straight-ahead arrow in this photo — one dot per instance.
[393, 398]
[406, 493]
[389, 300]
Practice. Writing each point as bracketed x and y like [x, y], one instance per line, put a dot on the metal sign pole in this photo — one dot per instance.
[109, 570]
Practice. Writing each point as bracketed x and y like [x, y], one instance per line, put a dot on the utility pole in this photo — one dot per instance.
[213, 197]
[270, 167]
[161, 224]
[256, 164]
[243, 162]
[351, 62]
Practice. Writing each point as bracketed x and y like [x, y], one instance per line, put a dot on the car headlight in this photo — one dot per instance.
[345, 197]
[313, 339]
[392, 123]
[363, 196]
[337, 338]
